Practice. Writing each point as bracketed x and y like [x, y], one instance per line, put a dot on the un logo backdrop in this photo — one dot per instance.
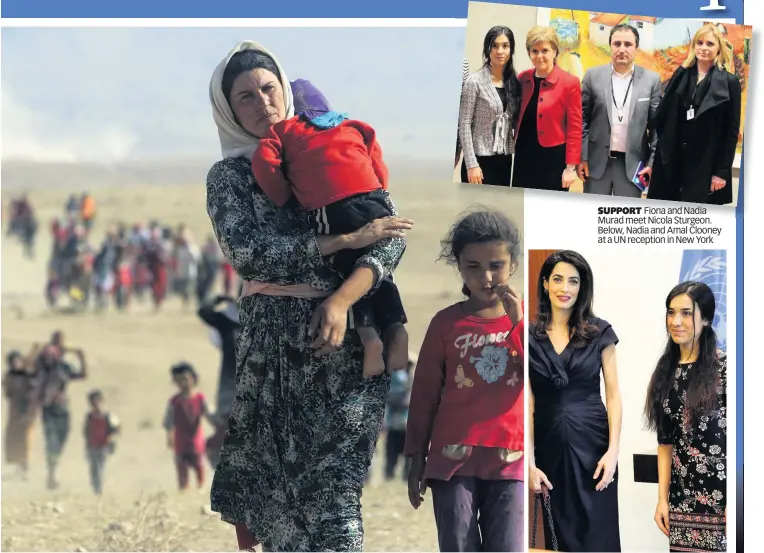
[710, 268]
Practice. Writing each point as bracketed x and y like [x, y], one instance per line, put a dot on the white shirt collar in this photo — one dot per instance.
[627, 74]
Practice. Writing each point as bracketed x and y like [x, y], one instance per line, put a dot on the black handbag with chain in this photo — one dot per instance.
[544, 498]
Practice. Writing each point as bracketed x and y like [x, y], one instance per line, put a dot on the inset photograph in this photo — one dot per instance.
[603, 103]
[627, 444]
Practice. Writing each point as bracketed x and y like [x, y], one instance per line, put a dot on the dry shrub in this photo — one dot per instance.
[150, 527]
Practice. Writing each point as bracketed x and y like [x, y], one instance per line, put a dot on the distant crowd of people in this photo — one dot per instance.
[131, 261]
[142, 260]
[138, 261]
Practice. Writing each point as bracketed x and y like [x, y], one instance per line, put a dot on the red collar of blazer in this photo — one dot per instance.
[552, 78]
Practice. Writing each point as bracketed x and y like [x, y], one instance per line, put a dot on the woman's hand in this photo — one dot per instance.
[513, 305]
[717, 183]
[379, 229]
[606, 467]
[328, 325]
[416, 483]
[662, 516]
[568, 178]
[537, 478]
[475, 175]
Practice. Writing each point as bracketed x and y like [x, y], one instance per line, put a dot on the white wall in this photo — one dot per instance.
[481, 16]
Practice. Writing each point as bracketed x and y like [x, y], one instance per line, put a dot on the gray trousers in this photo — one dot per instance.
[613, 181]
[97, 461]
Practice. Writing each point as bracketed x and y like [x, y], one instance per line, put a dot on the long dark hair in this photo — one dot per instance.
[511, 84]
[581, 330]
[701, 391]
[483, 224]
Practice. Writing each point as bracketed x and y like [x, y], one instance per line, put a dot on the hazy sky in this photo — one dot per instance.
[88, 94]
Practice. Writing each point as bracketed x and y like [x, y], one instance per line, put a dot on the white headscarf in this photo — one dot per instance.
[234, 140]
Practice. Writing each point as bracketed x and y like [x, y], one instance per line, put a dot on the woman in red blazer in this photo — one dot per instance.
[548, 131]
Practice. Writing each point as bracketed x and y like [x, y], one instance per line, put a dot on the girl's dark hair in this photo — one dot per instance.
[244, 61]
[483, 225]
[184, 368]
[702, 394]
[511, 84]
[581, 330]
[94, 395]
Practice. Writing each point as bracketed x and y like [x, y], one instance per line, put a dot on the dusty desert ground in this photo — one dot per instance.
[129, 356]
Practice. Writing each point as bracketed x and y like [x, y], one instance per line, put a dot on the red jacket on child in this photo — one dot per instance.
[184, 417]
[318, 166]
[99, 429]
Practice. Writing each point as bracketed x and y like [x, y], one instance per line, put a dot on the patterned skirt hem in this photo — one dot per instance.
[694, 532]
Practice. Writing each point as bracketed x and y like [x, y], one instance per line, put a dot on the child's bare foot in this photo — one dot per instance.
[397, 347]
[373, 352]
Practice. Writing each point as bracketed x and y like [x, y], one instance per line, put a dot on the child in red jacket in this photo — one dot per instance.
[101, 429]
[183, 422]
[333, 166]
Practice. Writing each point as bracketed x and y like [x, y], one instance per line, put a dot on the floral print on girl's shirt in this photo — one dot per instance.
[699, 461]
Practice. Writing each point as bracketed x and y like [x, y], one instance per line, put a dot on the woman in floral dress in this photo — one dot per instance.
[304, 423]
[687, 407]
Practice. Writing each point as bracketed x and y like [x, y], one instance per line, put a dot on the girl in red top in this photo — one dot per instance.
[183, 422]
[465, 433]
[101, 430]
[333, 166]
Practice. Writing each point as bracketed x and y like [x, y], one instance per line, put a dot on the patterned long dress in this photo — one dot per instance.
[698, 489]
[303, 429]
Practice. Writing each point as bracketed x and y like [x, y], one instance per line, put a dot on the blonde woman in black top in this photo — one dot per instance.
[698, 123]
